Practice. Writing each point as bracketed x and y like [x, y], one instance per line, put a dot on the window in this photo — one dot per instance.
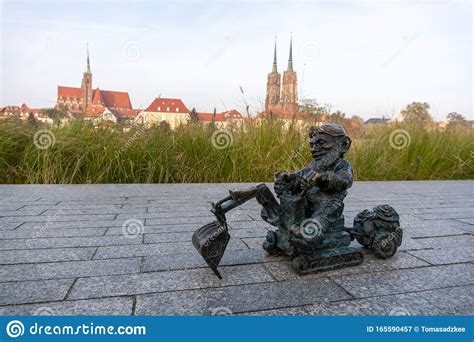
[167, 109]
[177, 109]
[159, 108]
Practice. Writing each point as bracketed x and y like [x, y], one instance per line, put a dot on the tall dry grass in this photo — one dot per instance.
[83, 153]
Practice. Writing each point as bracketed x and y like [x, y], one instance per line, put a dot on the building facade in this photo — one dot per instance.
[173, 112]
[164, 110]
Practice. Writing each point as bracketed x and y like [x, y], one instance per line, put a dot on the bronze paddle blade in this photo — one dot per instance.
[211, 241]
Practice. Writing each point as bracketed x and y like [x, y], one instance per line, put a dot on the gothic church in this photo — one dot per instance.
[282, 94]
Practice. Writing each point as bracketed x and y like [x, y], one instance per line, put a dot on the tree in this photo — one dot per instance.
[455, 118]
[312, 107]
[193, 115]
[338, 115]
[417, 112]
[316, 111]
[357, 120]
[56, 114]
[32, 120]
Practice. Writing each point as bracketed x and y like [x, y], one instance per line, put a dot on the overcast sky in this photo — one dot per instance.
[364, 58]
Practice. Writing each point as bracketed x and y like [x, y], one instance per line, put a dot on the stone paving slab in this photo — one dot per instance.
[237, 299]
[193, 260]
[66, 250]
[448, 301]
[72, 224]
[448, 256]
[69, 269]
[34, 256]
[446, 241]
[469, 221]
[34, 291]
[433, 232]
[97, 287]
[44, 232]
[118, 306]
[400, 281]
[83, 241]
[140, 249]
[55, 218]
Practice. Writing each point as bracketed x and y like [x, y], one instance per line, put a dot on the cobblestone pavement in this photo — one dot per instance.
[126, 250]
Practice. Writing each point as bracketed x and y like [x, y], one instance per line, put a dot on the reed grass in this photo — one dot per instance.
[83, 153]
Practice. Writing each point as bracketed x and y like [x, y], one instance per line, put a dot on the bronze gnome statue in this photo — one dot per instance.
[309, 217]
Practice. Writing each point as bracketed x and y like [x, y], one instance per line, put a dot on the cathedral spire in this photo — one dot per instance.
[275, 57]
[88, 62]
[290, 58]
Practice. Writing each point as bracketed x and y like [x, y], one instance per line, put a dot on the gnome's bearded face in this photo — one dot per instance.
[328, 139]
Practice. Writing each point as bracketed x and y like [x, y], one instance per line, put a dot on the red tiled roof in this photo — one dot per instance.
[233, 114]
[105, 97]
[167, 105]
[115, 98]
[125, 112]
[93, 111]
[97, 98]
[97, 110]
[220, 117]
[69, 92]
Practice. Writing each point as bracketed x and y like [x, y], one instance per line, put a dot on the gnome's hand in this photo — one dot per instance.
[281, 182]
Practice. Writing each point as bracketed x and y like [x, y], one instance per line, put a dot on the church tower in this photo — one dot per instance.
[289, 94]
[273, 86]
[86, 86]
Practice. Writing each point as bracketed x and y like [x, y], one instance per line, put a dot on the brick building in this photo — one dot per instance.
[96, 103]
